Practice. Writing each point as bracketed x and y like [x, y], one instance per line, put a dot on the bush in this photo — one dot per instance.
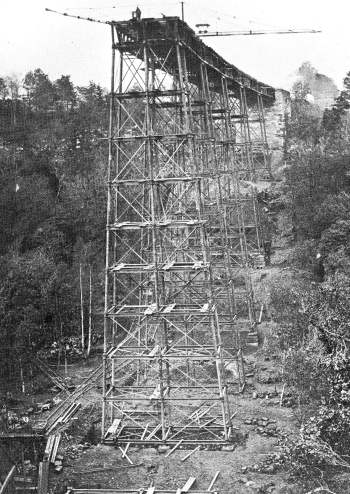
[304, 369]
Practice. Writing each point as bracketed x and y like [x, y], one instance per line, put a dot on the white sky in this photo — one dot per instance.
[32, 38]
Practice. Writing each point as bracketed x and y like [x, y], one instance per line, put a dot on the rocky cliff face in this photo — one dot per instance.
[317, 88]
[276, 120]
[324, 91]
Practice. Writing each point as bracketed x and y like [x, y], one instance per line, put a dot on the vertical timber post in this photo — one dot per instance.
[108, 219]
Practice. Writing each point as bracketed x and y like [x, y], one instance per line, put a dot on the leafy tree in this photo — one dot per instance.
[13, 85]
[52, 194]
[313, 318]
[65, 93]
[332, 118]
[3, 88]
[40, 90]
[342, 103]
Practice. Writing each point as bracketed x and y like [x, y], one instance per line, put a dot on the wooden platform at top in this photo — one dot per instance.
[162, 34]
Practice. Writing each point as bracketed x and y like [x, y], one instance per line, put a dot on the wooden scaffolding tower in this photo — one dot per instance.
[182, 233]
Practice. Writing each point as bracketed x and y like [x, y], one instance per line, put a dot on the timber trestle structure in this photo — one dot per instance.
[187, 142]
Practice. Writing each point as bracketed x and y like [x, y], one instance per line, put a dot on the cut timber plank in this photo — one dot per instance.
[113, 428]
[168, 265]
[7, 481]
[119, 266]
[150, 310]
[98, 470]
[40, 476]
[144, 432]
[173, 449]
[120, 431]
[43, 479]
[190, 453]
[89, 381]
[55, 448]
[155, 430]
[126, 450]
[190, 483]
[169, 308]
[72, 412]
[198, 413]
[48, 447]
[261, 313]
[198, 265]
[217, 473]
[154, 351]
[124, 455]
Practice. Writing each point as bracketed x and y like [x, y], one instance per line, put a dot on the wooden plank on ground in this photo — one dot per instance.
[40, 476]
[7, 481]
[124, 455]
[174, 448]
[190, 483]
[125, 450]
[217, 473]
[55, 448]
[144, 432]
[114, 427]
[49, 445]
[43, 478]
[261, 313]
[155, 430]
[190, 453]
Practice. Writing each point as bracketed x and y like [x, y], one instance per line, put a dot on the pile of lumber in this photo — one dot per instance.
[63, 419]
[71, 404]
[50, 454]
[43, 477]
[68, 407]
[53, 442]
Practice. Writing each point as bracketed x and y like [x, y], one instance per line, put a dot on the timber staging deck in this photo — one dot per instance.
[161, 33]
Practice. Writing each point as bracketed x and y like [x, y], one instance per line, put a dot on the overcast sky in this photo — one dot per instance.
[31, 37]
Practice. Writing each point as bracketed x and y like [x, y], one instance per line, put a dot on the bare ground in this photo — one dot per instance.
[152, 466]
[261, 398]
[238, 468]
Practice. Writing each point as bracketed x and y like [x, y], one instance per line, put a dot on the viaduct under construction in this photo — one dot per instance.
[187, 144]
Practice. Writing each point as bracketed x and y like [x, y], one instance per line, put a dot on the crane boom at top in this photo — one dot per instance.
[204, 34]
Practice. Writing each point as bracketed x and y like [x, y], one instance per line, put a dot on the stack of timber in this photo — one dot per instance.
[63, 419]
[50, 453]
[43, 477]
[52, 445]
[71, 404]
[15, 482]
[24, 484]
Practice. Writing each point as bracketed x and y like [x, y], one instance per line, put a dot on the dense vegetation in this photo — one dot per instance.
[313, 308]
[52, 182]
[52, 161]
